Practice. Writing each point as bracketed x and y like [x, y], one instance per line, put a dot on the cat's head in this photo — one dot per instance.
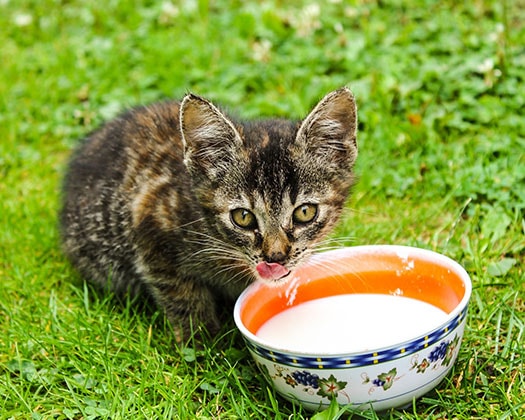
[270, 189]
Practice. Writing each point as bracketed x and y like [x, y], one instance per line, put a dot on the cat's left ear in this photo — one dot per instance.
[210, 139]
[329, 132]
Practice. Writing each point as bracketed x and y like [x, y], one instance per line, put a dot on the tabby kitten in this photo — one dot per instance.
[181, 203]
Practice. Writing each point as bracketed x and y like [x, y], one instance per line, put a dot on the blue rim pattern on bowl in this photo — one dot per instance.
[362, 359]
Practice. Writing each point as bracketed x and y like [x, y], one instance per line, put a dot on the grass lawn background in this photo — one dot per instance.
[439, 86]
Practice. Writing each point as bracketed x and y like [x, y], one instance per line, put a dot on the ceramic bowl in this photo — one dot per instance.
[382, 373]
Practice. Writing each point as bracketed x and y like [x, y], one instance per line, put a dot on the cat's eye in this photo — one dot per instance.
[305, 213]
[243, 218]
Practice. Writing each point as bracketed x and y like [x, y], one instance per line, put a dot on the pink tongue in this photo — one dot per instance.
[271, 271]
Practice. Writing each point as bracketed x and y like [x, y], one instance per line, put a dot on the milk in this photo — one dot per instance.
[350, 323]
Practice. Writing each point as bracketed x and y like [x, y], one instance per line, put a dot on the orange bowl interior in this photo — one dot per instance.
[425, 280]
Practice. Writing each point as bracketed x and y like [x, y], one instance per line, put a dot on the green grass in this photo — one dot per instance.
[442, 166]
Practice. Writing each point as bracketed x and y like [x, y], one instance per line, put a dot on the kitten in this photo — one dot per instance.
[181, 203]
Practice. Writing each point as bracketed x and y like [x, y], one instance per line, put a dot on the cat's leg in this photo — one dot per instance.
[189, 306]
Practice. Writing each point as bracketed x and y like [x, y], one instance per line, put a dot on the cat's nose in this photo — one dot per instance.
[276, 257]
[275, 247]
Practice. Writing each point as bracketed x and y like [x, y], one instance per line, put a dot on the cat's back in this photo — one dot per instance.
[137, 136]
[135, 147]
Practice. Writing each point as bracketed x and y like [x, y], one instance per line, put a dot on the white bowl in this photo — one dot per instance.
[404, 366]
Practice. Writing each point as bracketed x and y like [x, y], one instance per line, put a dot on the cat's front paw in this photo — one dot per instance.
[194, 329]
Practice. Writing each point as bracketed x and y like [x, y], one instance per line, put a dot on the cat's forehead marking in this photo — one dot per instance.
[272, 215]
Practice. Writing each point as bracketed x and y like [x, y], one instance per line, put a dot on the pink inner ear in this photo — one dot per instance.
[271, 271]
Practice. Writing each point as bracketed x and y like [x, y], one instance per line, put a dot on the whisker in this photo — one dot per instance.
[190, 223]
[219, 252]
[213, 244]
[242, 273]
[335, 268]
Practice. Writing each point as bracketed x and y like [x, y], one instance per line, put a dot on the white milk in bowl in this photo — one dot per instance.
[350, 323]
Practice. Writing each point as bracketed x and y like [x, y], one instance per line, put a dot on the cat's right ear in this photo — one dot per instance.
[210, 139]
[328, 133]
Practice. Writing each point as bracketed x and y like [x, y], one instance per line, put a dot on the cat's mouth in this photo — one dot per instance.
[272, 271]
